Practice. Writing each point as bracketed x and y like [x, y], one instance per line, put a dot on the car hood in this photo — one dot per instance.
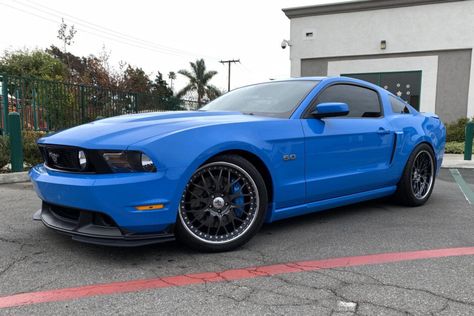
[122, 131]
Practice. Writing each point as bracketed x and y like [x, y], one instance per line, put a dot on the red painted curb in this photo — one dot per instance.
[228, 275]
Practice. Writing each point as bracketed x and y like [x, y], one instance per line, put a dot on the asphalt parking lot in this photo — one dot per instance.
[33, 258]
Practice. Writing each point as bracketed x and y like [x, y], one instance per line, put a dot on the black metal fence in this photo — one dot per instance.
[54, 105]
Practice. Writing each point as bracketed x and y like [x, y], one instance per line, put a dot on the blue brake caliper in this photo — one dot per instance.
[239, 201]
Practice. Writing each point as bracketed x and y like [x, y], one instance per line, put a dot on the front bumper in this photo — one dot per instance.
[94, 227]
[114, 195]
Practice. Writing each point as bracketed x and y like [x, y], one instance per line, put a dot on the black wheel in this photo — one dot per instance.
[222, 206]
[418, 178]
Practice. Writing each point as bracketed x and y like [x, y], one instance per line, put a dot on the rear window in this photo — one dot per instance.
[398, 106]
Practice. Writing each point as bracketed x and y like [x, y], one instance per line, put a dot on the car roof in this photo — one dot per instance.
[329, 80]
[335, 79]
[307, 78]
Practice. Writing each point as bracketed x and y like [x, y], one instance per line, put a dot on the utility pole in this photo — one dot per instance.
[229, 62]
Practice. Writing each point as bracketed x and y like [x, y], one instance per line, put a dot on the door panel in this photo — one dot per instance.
[351, 154]
[346, 156]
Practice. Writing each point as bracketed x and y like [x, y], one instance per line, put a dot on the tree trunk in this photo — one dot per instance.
[199, 100]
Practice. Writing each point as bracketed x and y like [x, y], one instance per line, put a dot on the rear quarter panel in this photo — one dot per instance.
[414, 129]
[411, 130]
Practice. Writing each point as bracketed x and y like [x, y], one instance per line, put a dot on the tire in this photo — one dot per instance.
[223, 205]
[417, 182]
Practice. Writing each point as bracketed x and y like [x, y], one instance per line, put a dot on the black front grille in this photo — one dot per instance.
[62, 158]
[65, 213]
[66, 158]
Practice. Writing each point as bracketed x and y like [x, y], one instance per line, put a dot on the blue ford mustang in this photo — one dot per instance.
[258, 154]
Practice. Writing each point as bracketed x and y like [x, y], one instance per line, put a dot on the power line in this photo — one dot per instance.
[89, 32]
[111, 32]
[62, 14]
[256, 74]
[98, 31]
[103, 29]
[229, 62]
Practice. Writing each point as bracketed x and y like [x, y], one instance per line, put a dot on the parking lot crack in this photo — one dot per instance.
[11, 264]
[407, 288]
[11, 241]
[337, 295]
[442, 309]
[378, 282]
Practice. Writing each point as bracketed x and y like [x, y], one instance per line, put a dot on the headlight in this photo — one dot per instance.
[82, 160]
[147, 164]
[129, 161]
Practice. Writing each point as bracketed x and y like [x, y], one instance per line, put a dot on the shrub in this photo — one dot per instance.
[4, 151]
[454, 148]
[31, 153]
[455, 131]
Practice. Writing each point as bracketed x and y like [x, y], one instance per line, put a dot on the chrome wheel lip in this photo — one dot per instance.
[252, 220]
[415, 174]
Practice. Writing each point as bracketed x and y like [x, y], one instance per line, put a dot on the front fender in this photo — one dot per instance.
[181, 153]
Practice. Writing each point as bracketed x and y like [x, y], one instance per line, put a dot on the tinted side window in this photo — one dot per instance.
[362, 102]
[398, 106]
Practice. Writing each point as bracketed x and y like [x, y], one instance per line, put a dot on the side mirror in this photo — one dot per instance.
[330, 109]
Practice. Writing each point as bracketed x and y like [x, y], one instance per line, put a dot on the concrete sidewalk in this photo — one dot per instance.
[457, 161]
[14, 177]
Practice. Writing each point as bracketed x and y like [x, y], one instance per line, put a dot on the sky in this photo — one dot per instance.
[162, 35]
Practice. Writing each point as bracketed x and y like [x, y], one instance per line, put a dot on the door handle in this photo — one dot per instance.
[383, 131]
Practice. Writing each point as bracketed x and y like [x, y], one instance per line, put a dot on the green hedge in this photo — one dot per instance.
[31, 153]
[455, 132]
[454, 148]
[4, 151]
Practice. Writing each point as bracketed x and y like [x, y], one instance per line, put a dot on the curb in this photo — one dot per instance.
[456, 161]
[457, 166]
[14, 177]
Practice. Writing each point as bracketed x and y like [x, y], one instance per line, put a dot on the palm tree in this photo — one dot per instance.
[199, 82]
[171, 76]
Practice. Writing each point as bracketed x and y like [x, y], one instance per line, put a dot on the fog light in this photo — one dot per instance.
[149, 207]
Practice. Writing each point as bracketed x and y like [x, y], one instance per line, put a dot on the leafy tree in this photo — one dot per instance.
[162, 94]
[75, 64]
[38, 64]
[135, 79]
[199, 79]
[34, 63]
[89, 70]
[66, 34]
[160, 86]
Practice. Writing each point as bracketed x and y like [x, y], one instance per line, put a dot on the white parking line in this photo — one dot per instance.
[465, 189]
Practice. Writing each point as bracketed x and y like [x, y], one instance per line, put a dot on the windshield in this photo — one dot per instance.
[277, 99]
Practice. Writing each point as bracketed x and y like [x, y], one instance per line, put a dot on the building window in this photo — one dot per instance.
[406, 85]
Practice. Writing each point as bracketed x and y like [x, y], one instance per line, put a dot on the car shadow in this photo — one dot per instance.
[175, 249]
[335, 214]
